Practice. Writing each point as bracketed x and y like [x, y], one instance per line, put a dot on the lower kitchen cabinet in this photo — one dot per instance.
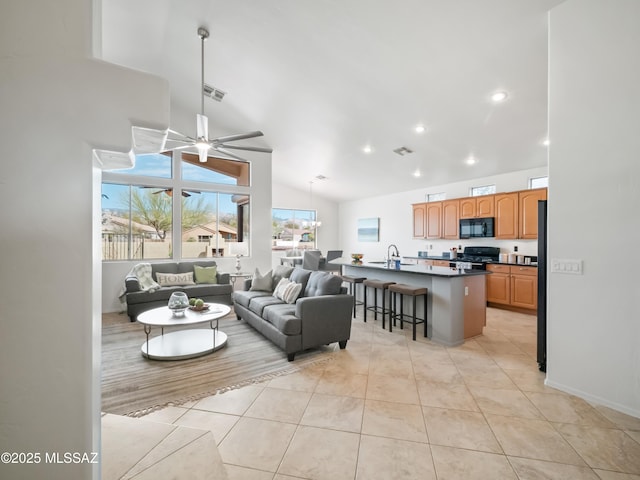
[513, 285]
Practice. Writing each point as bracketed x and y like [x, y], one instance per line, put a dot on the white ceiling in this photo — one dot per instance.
[322, 79]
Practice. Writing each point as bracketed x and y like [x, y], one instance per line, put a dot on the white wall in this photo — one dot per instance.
[593, 328]
[50, 279]
[396, 218]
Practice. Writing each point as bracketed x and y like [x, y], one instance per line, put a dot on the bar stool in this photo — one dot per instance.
[377, 285]
[353, 284]
[410, 291]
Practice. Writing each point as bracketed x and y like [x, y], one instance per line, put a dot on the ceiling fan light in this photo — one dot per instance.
[203, 150]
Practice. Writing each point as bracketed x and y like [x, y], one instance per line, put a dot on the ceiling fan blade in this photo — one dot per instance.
[249, 149]
[239, 136]
[202, 127]
[229, 154]
[183, 137]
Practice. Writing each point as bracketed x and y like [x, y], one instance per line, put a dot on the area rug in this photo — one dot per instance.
[135, 386]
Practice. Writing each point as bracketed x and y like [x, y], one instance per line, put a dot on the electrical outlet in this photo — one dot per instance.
[515, 248]
[431, 246]
[466, 291]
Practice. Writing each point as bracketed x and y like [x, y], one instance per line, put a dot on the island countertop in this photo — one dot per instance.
[411, 268]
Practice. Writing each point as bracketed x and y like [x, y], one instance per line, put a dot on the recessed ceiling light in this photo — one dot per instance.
[545, 142]
[499, 97]
[471, 160]
[367, 149]
[419, 128]
[417, 173]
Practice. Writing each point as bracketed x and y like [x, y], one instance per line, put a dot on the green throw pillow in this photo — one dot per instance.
[206, 274]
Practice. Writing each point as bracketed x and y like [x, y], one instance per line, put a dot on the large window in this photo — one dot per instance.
[142, 205]
[293, 229]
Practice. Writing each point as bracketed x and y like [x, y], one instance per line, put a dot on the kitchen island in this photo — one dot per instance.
[457, 299]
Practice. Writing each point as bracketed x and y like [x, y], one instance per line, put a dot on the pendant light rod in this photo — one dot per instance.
[203, 33]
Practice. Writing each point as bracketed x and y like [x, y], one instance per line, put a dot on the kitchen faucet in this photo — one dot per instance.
[389, 252]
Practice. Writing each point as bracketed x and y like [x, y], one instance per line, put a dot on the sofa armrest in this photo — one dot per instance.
[132, 284]
[325, 319]
[223, 278]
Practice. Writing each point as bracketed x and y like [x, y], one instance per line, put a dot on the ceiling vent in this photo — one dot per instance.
[320, 177]
[403, 151]
[213, 92]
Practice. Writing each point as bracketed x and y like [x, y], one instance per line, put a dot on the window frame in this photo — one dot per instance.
[178, 184]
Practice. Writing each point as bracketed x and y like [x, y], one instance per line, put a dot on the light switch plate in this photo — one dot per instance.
[572, 266]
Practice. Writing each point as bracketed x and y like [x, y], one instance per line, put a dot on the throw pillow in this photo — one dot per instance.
[287, 290]
[175, 279]
[280, 272]
[278, 292]
[262, 283]
[205, 274]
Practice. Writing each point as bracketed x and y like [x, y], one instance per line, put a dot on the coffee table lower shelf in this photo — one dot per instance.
[184, 344]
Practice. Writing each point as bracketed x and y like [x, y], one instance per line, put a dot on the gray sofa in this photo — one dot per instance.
[321, 314]
[139, 301]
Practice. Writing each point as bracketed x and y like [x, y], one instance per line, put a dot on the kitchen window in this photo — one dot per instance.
[483, 190]
[436, 197]
[539, 182]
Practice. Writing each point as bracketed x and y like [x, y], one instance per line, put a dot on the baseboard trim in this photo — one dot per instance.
[593, 399]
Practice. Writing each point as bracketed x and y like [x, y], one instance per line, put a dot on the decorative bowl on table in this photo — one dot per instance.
[178, 303]
[357, 257]
[199, 308]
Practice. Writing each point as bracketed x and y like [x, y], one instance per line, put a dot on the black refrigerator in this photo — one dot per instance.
[542, 285]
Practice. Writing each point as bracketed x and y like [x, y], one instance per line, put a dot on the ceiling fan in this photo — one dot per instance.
[201, 142]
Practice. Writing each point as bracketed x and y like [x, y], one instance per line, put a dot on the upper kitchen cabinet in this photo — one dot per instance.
[419, 220]
[528, 212]
[506, 223]
[433, 220]
[450, 219]
[517, 214]
[477, 207]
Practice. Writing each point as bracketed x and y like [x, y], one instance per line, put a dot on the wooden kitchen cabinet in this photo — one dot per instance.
[441, 263]
[419, 220]
[524, 287]
[477, 207]
[506, 222]
[450, 219]
[512, 285]
[528, 212]
[433, 220]
[499, 284]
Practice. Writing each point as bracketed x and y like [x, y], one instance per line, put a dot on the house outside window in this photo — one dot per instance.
[483, 190]
[293, 229]
[169, 206]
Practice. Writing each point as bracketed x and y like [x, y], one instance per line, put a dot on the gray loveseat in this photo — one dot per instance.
[321, 314]
[139, 300]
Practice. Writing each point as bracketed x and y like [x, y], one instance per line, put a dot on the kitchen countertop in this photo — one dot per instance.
[412, 268]
[442, 257]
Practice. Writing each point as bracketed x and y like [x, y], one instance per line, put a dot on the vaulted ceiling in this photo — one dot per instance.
[323, 79]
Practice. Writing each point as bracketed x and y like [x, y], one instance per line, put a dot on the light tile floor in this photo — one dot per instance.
[391, 408]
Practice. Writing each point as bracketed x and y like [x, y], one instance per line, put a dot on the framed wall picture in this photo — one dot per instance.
[369, 229]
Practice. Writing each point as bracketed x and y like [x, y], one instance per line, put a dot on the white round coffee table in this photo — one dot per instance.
[183, 344]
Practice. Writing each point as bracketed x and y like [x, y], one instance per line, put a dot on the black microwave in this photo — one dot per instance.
[476, 227]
